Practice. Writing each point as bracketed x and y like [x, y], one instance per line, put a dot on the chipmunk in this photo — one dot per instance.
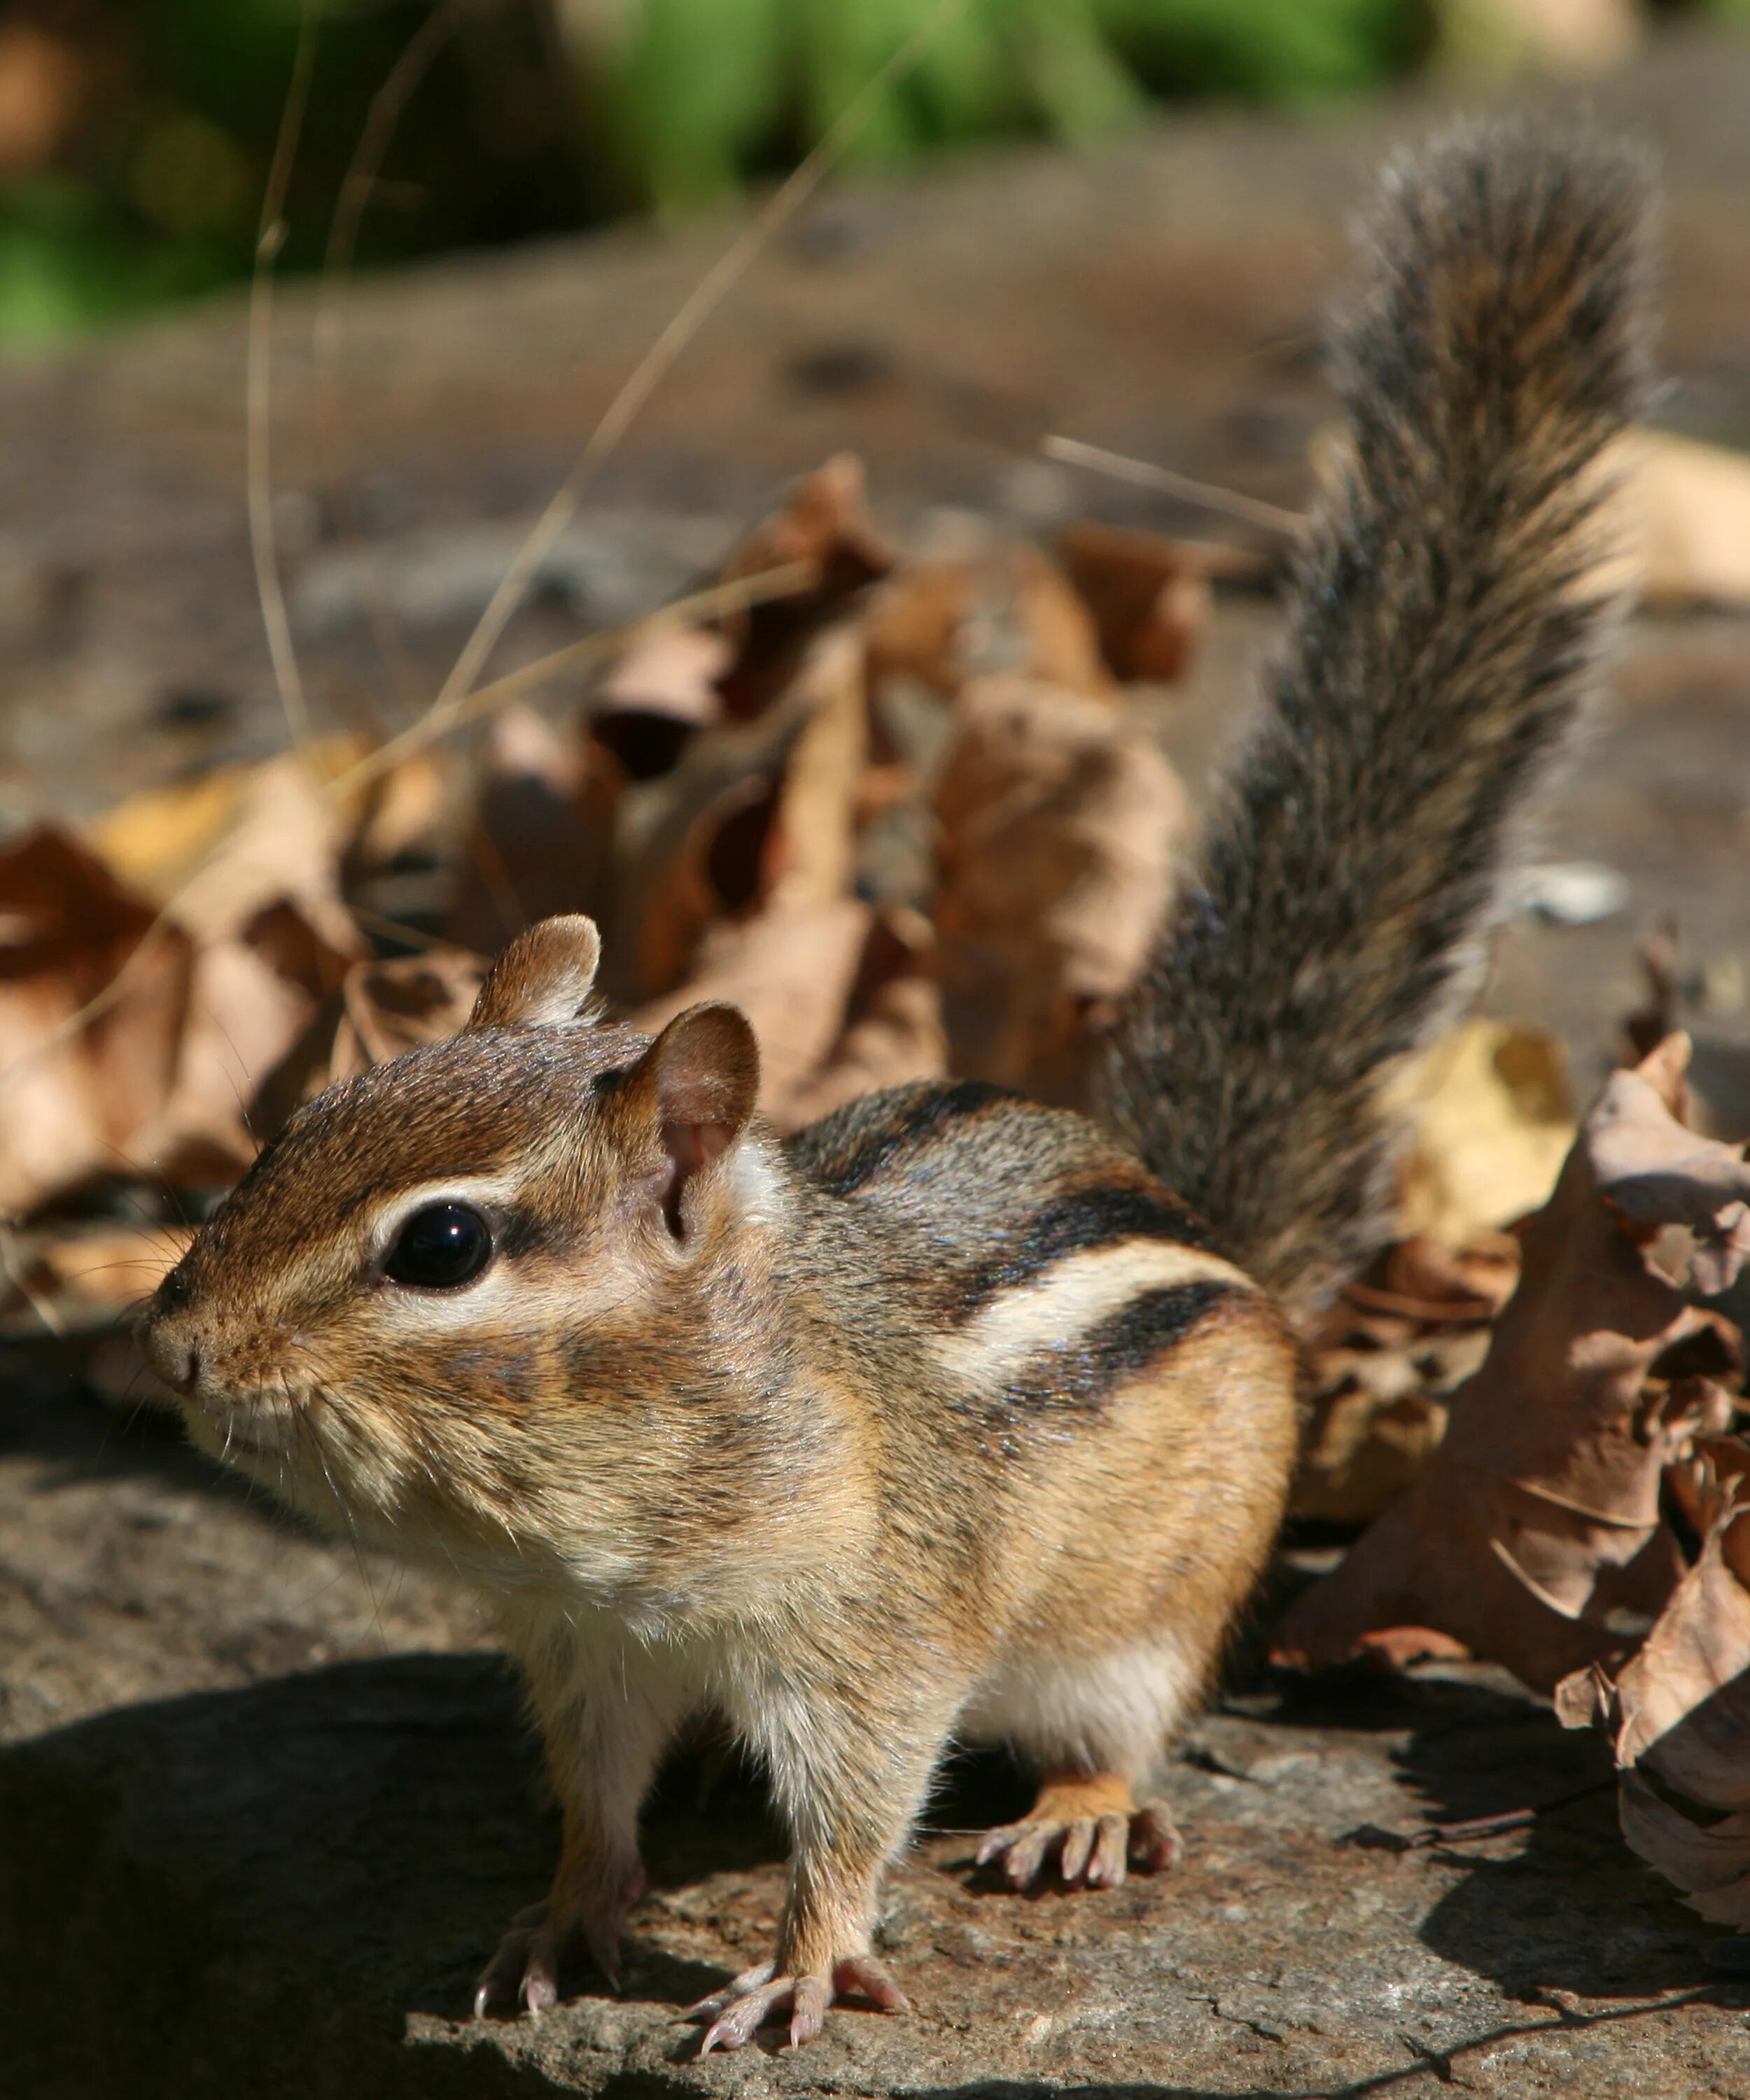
[952, 1417]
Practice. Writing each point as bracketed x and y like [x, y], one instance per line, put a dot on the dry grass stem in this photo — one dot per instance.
[1143, 473]
[704, 299]
[385, 111]
[735, 596]
[262, 546]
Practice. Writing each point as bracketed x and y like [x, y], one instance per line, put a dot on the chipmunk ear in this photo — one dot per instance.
[546, 976]
[699, 1081]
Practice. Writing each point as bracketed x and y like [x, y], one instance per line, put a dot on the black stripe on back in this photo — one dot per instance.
[908, 1119]
[1087, 1218]
[1076, 1377]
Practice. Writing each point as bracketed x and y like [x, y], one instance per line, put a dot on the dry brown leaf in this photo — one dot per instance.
[379, 1009]
[660, 693]
[1537, 1538]
[915, 624]
[1705, 1485]
[1060, 822]
[260, 895]
[1149, 595]
[244, 867]
[757, 815]
[386, 1007]
[893, 1032]
[1679, 1711]
[1491, 1121]
[75, 1096]
[405, 812]
[220, 849]
[251, 872]
[838, 997]
[1657, 1172]
[897, 1039]
[825, 522]
[1446, 1283]
[791, 972]
[153, 841]
[283, 847]
[1385, 1362]
[244, 1012]
[1012, 612]
[1710, 1862]
[540, 839]
[810, 851]
[1363, 1447]
[1681, 1703]
[1059, 642]
[754, 904]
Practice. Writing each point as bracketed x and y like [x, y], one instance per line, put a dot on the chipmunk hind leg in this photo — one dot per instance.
[1093, 1727]
[1159, 1528]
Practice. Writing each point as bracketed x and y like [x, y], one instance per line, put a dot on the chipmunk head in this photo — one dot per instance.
[442, 1276]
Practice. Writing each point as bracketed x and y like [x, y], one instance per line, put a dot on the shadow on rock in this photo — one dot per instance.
[247, 1892]
[1558, 1908]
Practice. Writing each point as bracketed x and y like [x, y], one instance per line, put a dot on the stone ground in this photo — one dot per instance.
[267, 1802]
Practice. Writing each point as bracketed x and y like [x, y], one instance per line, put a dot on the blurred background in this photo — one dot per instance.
[136, 136]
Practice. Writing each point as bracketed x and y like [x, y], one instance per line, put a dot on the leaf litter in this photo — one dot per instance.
[863, 797]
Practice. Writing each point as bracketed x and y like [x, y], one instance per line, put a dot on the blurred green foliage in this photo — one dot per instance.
[154, 192]
[699, 93]
[136, 136]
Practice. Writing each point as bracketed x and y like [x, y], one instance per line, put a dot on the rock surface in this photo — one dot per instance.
[267, 1800]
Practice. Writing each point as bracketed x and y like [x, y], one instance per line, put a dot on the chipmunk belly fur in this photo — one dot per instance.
[952, 1417]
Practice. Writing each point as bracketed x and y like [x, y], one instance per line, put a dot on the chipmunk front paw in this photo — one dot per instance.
[737, 2012]
[525, 1970]
[1095, 1828]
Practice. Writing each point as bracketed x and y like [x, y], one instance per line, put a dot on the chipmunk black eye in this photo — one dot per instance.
[439, 1247]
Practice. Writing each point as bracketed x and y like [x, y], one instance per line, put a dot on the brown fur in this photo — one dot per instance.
[944, 1418]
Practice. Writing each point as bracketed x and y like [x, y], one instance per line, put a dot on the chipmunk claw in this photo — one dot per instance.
[525, 1969]
[522, 1969]
[1095, 1828]
[738, 2011]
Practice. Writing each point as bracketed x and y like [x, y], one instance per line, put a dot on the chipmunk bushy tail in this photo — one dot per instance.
[1449, 607]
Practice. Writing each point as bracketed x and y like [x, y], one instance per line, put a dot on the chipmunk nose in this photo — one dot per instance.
[181, 1368]
[176, 1361]
[164, 1339]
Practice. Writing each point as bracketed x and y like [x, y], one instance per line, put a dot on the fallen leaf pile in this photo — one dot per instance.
[1386, 1360]
[1678, 1713]
[1538, 1536]
[904, 813]
[1490, 1120]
